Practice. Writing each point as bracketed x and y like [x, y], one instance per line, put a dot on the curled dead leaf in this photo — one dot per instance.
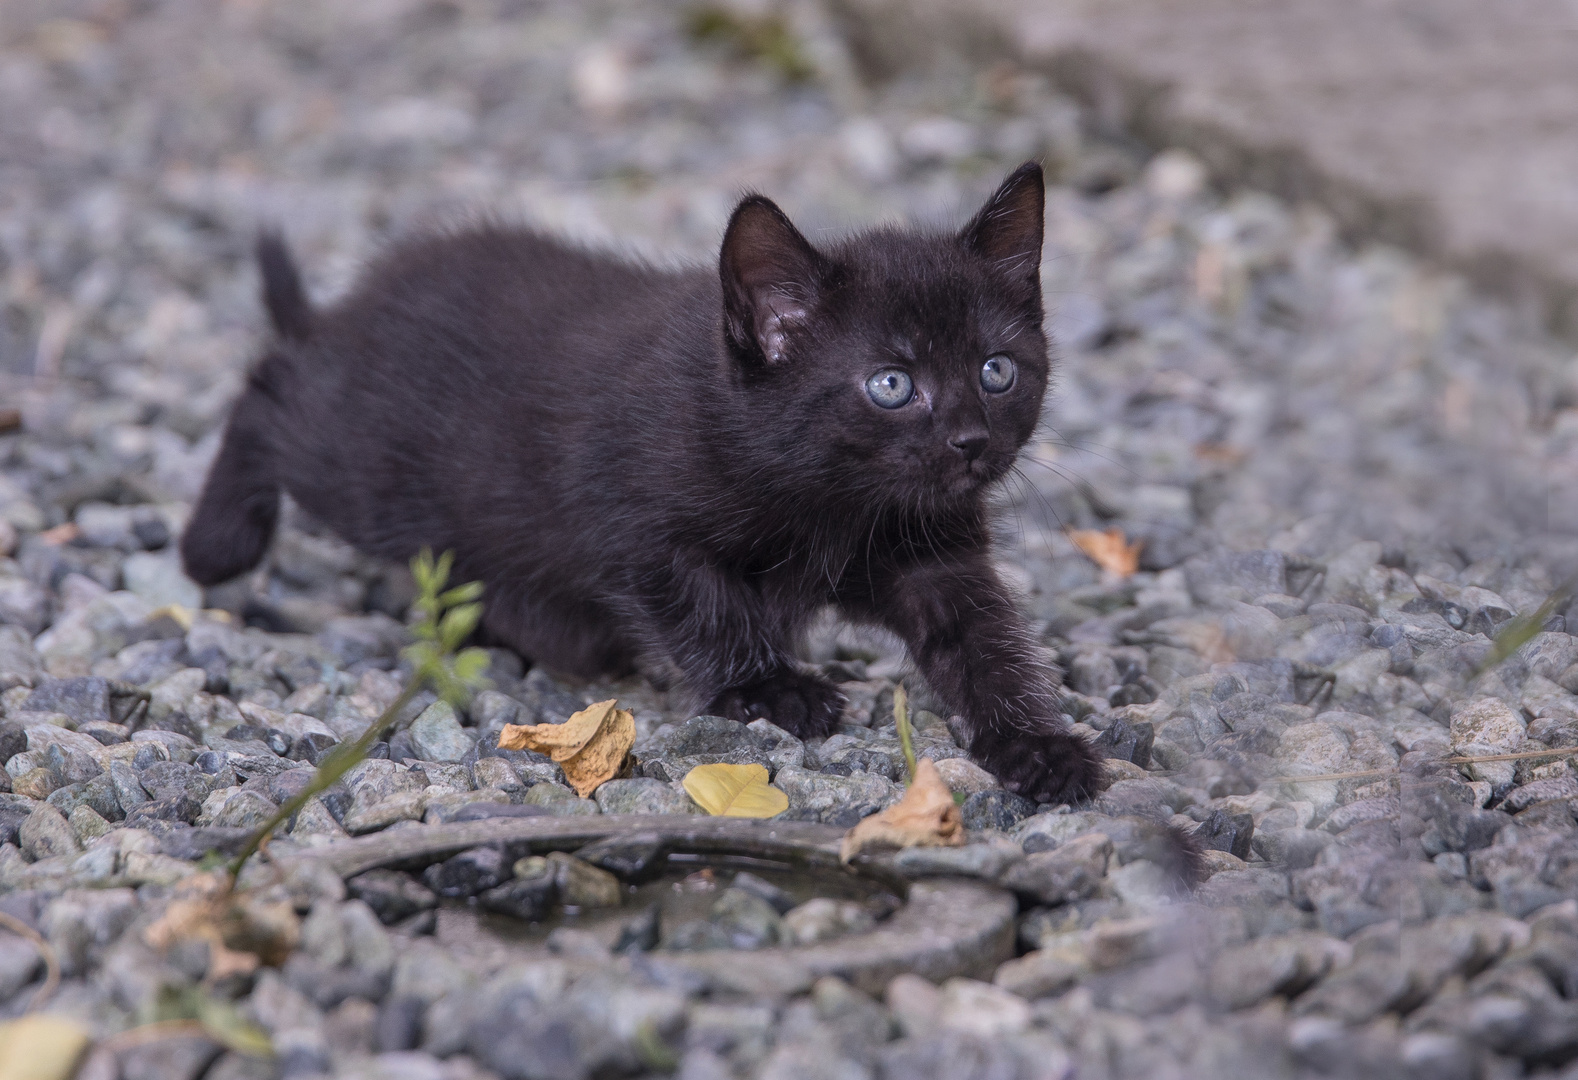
[591, 746]
[735, 791]
[927, 816]
[1109, 550]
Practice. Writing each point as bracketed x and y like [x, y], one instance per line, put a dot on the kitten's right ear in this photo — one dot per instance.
[771, 276]
[1008, 229]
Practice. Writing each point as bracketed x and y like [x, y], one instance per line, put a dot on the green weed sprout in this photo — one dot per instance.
[447, 618]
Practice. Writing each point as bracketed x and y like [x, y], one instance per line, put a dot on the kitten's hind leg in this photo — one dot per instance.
[235, 517]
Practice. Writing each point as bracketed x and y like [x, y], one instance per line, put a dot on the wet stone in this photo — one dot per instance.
[630, 857]
[532, 897]
[392, 896]
[468, 873]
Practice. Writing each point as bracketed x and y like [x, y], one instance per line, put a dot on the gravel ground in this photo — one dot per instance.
[1347, 469]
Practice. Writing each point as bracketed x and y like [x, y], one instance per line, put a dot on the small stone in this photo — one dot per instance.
[158, 580]
[366, 817]
[642, 795]
[965, 777]
[821, 919]
[1487, 726]
[245, 810]
[985, 861]
[391, 895]
[312, 747]
[559, 801]
[1073, 871]
[642, 933]
[983, 1010]
[492, 772]
[1249, 974]
[532, 898]
[915, 1003]
[468, 873]
[46, 834]
[154, 868]
[85, 700]
[835, 800]
[436, 735]
[1232, 833]
[20, 961]
[994, 809]
[83, 923]
[746, 920]
[701, 740]
[175, 808]
[1124, 740]
[1290, 849]
[86, 824]
[630, 857]
[780, 899]
[580, 884]
[35, 784]
[399, 1025]
[1044, 972]
[445, 806]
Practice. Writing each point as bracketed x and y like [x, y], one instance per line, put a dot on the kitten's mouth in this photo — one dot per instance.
[974, 476]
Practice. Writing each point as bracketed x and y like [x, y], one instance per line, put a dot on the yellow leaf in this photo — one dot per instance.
[927, 816]
[591, 746]
[1109, 550]
[41, 1047]
[734, 791]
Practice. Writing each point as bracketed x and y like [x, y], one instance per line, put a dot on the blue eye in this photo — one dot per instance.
[890, 388]
[997, 374]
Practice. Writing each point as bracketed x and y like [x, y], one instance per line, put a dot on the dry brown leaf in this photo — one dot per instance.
[1109, 550]
[927, 816]
[242, 931]
[591, 746]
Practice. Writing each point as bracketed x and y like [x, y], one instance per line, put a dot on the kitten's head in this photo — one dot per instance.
[897, 366]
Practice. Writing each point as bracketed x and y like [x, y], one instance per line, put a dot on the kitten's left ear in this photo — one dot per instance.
[1008, 229]
[771, 277]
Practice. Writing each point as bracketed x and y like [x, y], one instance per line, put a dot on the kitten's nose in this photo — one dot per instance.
[969, 443]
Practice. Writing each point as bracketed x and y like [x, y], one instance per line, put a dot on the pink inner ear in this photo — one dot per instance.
[777, 314]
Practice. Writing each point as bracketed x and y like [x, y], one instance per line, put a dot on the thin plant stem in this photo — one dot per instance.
[340, 761]
[901, 720]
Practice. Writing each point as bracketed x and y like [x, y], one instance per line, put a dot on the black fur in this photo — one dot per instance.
[675, 470]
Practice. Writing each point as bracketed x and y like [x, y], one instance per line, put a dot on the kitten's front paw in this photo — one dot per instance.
[1055, 767]
[805, 706]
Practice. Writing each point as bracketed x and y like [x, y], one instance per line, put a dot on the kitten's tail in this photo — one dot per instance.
[286, 300]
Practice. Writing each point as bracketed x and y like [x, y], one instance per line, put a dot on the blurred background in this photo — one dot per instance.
[1308, 265]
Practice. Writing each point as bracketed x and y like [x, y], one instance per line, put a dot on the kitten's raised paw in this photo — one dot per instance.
[805, 706]
[1053, 767]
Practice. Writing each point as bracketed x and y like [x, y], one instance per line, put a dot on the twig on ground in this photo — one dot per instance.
[1474, 759]
[46, 950]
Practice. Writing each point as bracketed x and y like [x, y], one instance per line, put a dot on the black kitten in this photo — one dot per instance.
[675, 470]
